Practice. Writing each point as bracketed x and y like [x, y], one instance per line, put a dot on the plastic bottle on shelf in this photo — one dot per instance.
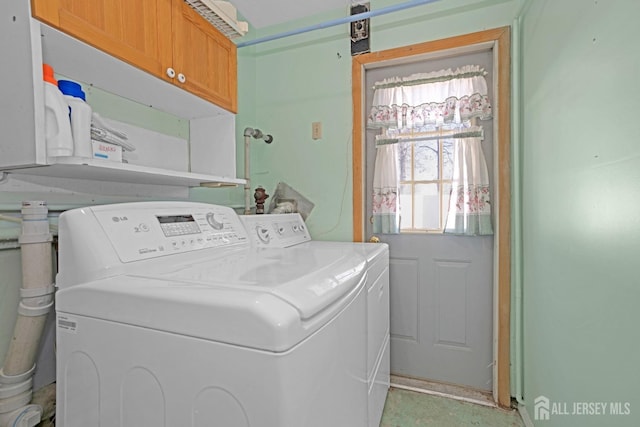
[80, 117]
[57, 126]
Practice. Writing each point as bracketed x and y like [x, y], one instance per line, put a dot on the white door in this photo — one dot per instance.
[441, 286]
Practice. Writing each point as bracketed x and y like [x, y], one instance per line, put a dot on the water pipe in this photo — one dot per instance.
[248, 134]
[339, 21]
[247, 184]
[517, 126]
[10, 219]
[36, 294]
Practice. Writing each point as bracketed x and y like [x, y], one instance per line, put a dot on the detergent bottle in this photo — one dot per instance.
[80, 117]
[57, 124]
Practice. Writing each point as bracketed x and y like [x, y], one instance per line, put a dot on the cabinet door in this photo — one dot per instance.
[137, 32]
[205, 57]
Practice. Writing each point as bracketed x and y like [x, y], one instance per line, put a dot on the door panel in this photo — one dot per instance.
[451, 288]
[441, 286]
[403, 272]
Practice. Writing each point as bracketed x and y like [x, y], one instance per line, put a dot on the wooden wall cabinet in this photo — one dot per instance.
[166, 38]
[206, 58]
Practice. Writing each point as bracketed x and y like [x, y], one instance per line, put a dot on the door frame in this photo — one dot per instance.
[500, 40]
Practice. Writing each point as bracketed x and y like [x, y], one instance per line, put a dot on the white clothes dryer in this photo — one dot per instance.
[288, 233]
[167, 316]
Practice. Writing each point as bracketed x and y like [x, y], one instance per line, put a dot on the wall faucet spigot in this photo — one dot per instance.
[257, 134]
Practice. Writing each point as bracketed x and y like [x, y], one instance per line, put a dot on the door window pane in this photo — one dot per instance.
[406, 207]
[426, 160]
[426, 170]
[446, 198]
[447, 159]
[404, 160]
[427, 206]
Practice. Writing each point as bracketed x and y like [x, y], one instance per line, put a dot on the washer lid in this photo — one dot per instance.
[309, 279]
[270, 301]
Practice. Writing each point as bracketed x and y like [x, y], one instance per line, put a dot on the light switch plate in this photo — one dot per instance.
[316, 130]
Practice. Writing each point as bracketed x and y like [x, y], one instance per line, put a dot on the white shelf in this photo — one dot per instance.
[105, 170]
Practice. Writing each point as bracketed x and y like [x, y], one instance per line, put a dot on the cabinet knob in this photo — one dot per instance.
[182, 78]
[171, 72]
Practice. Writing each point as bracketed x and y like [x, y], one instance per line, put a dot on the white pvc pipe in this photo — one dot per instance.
[36, 302]
[22, 351]
[247, 185]
[517, 372]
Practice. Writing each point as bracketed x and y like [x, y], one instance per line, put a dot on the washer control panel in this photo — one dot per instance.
[139, 234]
[275, 231]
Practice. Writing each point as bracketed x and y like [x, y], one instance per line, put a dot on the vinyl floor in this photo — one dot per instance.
[406, 408]
[403, 408]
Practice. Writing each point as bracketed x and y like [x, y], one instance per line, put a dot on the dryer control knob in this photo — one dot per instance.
[263, 234]
[213, 222]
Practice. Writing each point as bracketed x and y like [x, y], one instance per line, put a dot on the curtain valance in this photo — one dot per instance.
[431, 99]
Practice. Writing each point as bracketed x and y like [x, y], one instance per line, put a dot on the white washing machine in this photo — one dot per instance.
[287, 233]
[168, 316]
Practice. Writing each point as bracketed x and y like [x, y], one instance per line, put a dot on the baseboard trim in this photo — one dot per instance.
[451, 391]
[525, 416]
[447, 395]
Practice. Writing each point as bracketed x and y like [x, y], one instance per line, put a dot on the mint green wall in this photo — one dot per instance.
[127, 111]
[307, 78]
[10, 281]
[581, 204]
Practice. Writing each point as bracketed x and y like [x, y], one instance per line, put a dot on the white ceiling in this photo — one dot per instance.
[263, 13]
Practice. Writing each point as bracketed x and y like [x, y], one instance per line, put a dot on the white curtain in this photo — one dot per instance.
[444, 99]
[386, 212]
[470, 204]
[432, 99]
